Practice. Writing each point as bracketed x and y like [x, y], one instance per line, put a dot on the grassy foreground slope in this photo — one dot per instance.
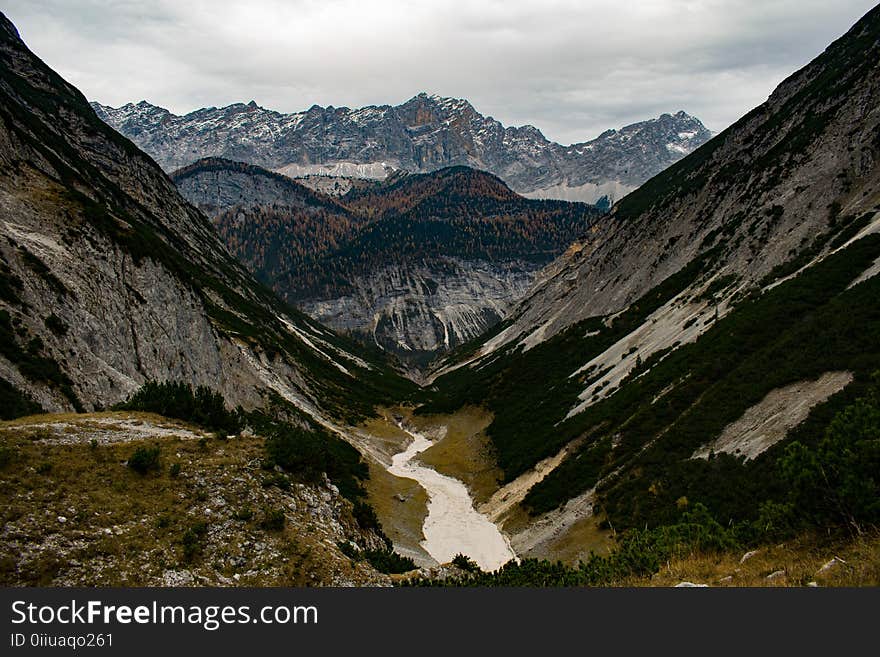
[203, 512]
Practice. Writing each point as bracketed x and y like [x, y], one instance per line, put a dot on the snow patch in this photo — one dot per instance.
[674, 147]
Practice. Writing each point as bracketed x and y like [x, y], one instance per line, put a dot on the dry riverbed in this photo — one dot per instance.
[452, 525]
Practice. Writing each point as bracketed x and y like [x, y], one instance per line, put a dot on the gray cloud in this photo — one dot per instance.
[571, 68]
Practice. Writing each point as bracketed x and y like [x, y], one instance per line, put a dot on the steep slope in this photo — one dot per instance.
[726, 308]
[272, 223]
[110, 278]
[444, 257]
[423, 134]
[416, 264]
[795, 168]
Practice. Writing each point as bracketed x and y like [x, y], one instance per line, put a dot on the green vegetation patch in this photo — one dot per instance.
[308, 452]
[145, 459]
[179, 400]
[32, 363]
[15, 403]
[385, 561]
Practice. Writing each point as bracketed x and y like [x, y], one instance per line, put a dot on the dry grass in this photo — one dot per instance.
[402, 506]
[794, 563]
[95, 419]
[385, 438]
[400, 503]
[464, 452]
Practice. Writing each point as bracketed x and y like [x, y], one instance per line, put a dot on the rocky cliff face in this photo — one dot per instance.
[425, 133]
[108, 277]
[418, 310]
[415, 265]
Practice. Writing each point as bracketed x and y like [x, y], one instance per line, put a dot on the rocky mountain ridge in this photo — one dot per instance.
[697, 373]
[114, 289]
[760, 193]
[110, 278]
[423, 134]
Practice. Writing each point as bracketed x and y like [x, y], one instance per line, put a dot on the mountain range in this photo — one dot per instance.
[358, 266]
[93, 230]
[423, 134]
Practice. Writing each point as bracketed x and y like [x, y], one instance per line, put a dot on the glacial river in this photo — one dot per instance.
[453, 525]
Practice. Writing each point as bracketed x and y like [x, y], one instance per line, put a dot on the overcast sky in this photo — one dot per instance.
[571, 68]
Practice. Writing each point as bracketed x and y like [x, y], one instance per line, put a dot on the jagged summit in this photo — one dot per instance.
[425, 133]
